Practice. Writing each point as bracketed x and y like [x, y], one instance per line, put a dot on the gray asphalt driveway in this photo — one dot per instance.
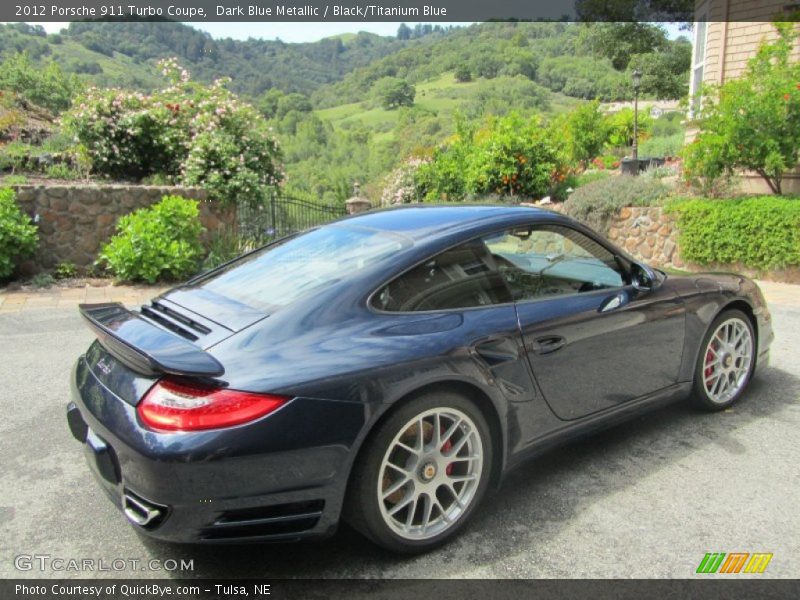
[646, 499]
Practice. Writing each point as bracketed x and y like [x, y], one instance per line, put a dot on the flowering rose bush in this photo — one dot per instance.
[399, 187]
[232, 152]
[192, 133]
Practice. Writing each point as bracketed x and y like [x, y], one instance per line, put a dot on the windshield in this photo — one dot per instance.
[281, 273]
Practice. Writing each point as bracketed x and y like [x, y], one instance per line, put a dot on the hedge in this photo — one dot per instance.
[761, 233]
[18, 237]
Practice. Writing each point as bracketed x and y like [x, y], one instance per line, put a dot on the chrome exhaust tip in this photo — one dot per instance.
[142, 512]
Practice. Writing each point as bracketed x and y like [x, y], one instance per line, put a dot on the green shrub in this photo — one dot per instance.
[762, 233]
[515, 156]
[42, 280]
[58, 143]
[160, 242]
[661, 172]
[589, 176]
[585, 132]
[596, 202]
[16, 156]
[65, 270]
[18, 237]
[463, 73]
[620, 127]
[223, 246]
[14, 180]
[668, 124]
[62, 171]
[44, 85]
[509, 156]
[662, 146]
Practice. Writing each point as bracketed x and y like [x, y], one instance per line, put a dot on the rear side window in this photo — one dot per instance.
[279, 274]
[462, 277]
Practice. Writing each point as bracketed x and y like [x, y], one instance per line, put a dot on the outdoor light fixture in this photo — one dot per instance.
[637, 79]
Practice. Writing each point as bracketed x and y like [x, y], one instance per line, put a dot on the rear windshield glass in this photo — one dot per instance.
[279, 274]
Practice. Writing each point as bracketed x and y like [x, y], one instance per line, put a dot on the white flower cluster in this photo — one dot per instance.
[399, 187]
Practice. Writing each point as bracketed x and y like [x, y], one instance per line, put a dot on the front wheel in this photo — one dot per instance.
[726, 361]
[421, 474]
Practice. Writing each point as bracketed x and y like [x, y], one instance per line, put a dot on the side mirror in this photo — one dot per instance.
[643, 278]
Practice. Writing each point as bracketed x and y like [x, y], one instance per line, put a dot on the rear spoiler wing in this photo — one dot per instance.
[144, 347]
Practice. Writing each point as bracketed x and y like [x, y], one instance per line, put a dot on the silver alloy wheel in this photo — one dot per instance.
[727, 362]
[430, 473]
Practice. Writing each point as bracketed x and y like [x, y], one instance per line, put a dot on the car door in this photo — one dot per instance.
[470, 316]
[592, 339]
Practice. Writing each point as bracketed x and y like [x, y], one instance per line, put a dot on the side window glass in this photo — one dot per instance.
[545, 261]
[462, 277]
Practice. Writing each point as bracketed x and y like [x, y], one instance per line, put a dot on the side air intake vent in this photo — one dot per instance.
[281, 521]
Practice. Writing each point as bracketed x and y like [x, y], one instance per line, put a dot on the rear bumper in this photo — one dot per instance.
[280, 478]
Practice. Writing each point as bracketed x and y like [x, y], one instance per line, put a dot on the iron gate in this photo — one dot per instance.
[280, 215]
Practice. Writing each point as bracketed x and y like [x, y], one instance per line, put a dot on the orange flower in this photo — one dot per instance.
[786, 97]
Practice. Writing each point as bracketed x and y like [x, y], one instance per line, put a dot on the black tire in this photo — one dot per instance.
[362, 508]
[700, 397]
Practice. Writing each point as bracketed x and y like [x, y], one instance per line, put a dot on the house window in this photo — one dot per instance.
[698, 64]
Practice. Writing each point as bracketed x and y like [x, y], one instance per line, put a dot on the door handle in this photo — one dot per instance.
[548, 344]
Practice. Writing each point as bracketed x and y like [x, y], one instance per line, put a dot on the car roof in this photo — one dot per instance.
[426, 221]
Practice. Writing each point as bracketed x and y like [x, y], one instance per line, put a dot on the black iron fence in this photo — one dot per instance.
[280, 215]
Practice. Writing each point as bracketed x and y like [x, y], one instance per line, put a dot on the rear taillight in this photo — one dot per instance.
[174, 406]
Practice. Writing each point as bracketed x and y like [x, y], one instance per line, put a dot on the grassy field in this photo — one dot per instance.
[120, 67]
[441, 95]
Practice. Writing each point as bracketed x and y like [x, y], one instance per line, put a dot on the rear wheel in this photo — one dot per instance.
[421, 474]
[726, 361]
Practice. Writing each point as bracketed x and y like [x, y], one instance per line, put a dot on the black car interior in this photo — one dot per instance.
[472, 275]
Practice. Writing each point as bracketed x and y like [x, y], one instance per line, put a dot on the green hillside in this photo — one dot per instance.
[124, 54]
[579, 60]
[351, 107]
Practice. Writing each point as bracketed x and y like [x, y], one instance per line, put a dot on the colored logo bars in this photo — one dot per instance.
[734, 562]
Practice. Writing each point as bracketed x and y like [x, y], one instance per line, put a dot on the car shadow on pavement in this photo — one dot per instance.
[535, 503]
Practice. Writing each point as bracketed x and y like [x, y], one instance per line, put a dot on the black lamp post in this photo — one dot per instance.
[637, 81]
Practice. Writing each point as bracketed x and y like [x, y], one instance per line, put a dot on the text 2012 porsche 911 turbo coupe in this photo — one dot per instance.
[388, 368]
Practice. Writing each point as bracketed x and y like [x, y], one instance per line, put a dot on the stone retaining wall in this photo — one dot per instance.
[648, 234]
[76, 220]
[651, 235]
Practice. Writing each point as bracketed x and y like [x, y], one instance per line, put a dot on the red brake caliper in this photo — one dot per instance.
[446, 448]
[709, 359]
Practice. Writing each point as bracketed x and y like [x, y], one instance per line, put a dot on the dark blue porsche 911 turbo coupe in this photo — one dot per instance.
[388, 368]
